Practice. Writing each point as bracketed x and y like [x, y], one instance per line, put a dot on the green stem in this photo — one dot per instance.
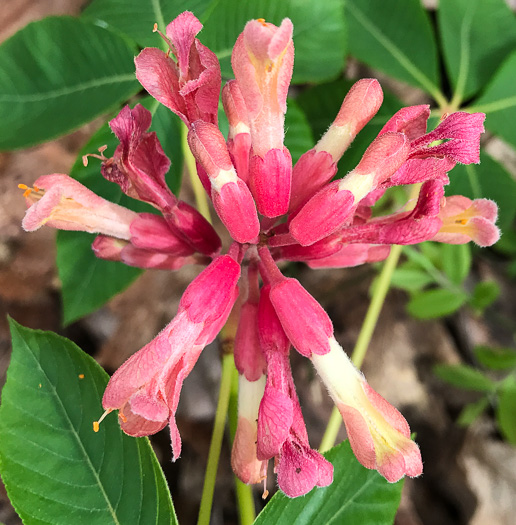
[244, 493]
[198, 189]
[364, 338]
[216, 440]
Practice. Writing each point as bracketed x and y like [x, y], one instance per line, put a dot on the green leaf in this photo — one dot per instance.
[298, 134]
[465, 377]
[499, 101]
[477, 35]
[456, 261]
[136, 18]
[356, 496]
[496, 358]
[319, 33]
[506, 410]
[472, 411]
[435, 303]
[410, 279]
[484, 294]
[489, 180]
[55, 468]
[394, 37]
[57, 74]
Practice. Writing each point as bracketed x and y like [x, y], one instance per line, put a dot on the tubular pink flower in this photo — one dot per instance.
[61, 202]
[330, 208]
[146, 388]
[262, 61]
[464, 220]
[281, 432]
[190, 87]
[139, 163]
[231, 197]
[379, 435]
[318, 165]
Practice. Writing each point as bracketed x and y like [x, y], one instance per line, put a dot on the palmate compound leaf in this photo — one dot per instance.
[57, 74]
[356, 496]
[55, 468]
[477, 35]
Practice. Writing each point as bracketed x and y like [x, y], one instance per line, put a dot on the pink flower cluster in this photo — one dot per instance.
[274, 213]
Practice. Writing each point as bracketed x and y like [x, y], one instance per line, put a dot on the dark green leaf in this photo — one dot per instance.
[57, 74]
[319, 33]
[487, 180]
[396, 38]
[435, 303]
[506, 411]
[499, 101]
[410, 280]
[496, 358]
[298, 135]
[484, 294]
[55, 468]
[456, 261]
[477, 36]
[465, 377]
[472, 411]
[356, 496]
[136, 18]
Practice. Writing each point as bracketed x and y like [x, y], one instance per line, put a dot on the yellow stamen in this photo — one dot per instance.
[96, 424]
[262, 21]
[38, 192]
[81, 376]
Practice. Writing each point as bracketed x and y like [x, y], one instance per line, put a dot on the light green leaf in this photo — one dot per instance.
[456, 261]
[506, 410]
[465, 377]
[484, 294]
[356, 496]
[472, 411]
[298, 134]
[498, 101]
[435, 303]
[477, 35]
[488, 180]
[55, 468]
[496, 358]
[395, 37]
[319, 33]
[136, 18]
[410, 279]
[59, 73]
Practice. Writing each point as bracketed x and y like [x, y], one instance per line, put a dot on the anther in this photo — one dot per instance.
[96, 424]
[101, 157]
